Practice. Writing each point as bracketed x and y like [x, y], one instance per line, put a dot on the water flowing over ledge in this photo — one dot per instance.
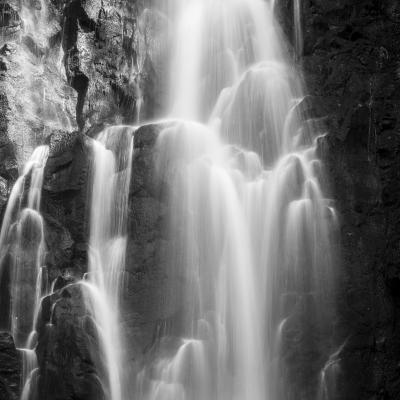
[252, 232]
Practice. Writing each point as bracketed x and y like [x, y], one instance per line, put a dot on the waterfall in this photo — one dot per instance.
[112, 153]
[251, 231]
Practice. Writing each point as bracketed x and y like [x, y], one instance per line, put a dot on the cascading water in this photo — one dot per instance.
[22, 247]
[112, 153]
[251, 230]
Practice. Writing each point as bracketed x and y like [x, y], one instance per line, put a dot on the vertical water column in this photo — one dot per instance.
[112, 159]
[251, 231]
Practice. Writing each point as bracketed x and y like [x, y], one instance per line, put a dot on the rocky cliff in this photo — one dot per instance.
[101, 63]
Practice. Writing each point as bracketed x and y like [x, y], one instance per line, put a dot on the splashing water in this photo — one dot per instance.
[112, 152]
[251, 232]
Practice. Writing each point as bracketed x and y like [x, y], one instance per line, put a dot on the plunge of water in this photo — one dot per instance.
[251, 232]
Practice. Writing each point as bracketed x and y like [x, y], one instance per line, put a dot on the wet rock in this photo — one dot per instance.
[10, 368]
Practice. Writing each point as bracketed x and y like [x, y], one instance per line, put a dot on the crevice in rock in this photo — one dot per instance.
[75, 18]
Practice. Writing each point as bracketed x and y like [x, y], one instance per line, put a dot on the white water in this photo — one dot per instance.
[251, 232]
[112, 153]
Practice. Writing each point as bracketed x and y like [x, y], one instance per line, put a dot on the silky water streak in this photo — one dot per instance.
[251, 233]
